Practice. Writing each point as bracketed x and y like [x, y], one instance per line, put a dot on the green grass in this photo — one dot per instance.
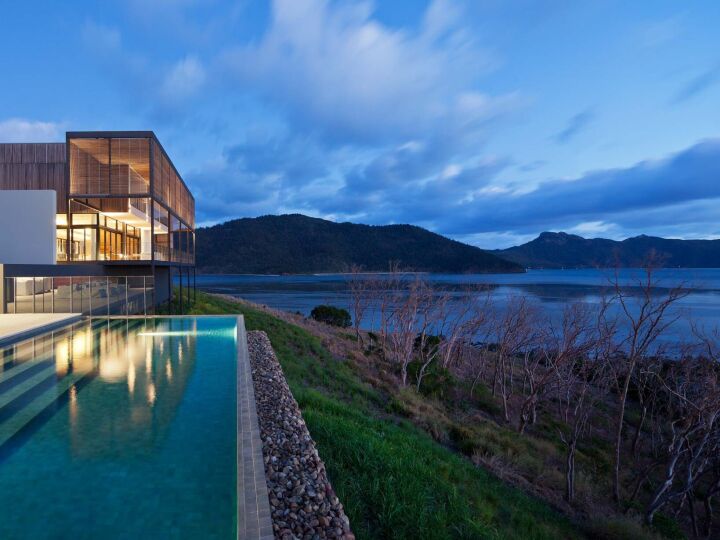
[393, 478]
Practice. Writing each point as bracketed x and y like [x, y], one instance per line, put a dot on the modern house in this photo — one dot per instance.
[100, 225]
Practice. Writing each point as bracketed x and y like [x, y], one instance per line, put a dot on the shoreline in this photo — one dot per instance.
[527, 270]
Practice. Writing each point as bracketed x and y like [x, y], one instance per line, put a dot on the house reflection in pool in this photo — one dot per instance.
[143, 370]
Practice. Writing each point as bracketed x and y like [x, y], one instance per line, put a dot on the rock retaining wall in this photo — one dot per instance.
[302, 501]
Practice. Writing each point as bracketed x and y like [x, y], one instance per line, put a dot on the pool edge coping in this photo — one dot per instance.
[36, 331]
[254, 519]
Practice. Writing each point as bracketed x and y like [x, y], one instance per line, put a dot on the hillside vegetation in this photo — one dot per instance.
[394, 479]
[297, 244]
[447, 436]
[562, 250]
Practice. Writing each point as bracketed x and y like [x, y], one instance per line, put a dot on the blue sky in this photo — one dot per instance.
[487, 121]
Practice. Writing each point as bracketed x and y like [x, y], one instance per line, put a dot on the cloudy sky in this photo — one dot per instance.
[485, 120]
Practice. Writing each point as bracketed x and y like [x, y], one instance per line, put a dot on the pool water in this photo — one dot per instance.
[120, 428]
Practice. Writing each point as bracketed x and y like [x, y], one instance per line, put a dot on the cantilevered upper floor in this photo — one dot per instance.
[119, 196]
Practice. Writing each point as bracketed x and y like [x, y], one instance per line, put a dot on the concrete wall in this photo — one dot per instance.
[162, 289]
[27, 227]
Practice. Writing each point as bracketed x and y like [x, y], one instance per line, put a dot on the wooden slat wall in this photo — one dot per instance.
[169, 189]
[34, 166]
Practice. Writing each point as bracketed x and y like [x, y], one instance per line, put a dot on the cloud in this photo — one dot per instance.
[260, 175]
[100, 37]
[198, 23]
[369, 116]
[226, 191]
[184, 79]
[334, 70]
[590, 228]
[575, 126]
[131, 70]
[698, 84]
[161, 90]
[404, 165]
[16, 130]
[532, 166]
[285, 157]
[384, 123]
[412, 182]
[648, 191]
[409, 185]
[415, 183]
[661, 32]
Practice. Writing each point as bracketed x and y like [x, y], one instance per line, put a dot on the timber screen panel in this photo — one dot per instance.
[144, 209]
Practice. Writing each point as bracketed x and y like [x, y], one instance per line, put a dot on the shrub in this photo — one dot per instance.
[485, 401]
[395, 406]
[618, 528]
[463, 439]
[437, 382]
[332, 315]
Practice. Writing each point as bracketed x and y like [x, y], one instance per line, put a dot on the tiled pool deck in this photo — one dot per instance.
[15, 327]
[254, 522]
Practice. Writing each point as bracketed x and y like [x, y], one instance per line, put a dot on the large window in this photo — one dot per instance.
[127, 202]
[98, 296]
[162, 230]
[100, 232]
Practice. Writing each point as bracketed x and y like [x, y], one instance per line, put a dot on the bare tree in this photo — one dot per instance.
[388, 293]
[481, 329]
[409, 319]
[455, 321]
[555, 360]
[644, 381]
[692, 435]
[712, 490]
[433, 313]
[585, 375]
[514, 332]
[362, 289]
[645, 317]
[710, 348]
[586, 379]
[690, 456]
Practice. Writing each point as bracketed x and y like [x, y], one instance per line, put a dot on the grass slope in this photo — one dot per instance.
[394, 480]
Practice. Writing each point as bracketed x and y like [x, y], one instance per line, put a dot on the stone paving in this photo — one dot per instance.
[254, 522]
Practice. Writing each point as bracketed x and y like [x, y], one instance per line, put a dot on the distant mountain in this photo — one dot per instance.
[299, 244]
[562, 250]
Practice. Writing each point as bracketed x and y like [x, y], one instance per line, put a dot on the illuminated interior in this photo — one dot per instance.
[126, 203]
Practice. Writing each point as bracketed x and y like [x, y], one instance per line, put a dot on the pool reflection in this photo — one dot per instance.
[142, 369]
[115, 428]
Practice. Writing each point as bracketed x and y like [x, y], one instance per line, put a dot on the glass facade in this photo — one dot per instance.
[96, 296]
[120, 201]
[126, 203]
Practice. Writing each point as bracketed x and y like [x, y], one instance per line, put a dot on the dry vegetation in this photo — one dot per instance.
[393, 478]
[589, 412]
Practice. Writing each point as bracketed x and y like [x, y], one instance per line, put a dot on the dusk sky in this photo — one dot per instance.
[487, 120]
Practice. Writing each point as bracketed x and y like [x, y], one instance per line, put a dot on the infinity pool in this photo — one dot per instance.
[120, 428]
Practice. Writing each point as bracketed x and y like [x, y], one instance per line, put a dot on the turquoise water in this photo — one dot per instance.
[120, 429]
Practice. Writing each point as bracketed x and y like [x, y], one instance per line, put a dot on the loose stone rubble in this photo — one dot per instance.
[302, 501]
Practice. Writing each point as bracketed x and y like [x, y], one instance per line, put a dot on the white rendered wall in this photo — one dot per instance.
[27, 227]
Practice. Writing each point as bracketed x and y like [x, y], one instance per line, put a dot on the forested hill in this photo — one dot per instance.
[298, 244]
[562, 250]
